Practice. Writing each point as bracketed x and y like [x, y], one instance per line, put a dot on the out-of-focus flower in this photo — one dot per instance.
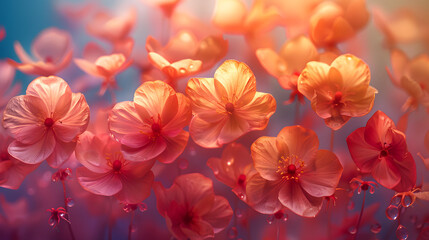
[426, 142]
[339, 91]
[2, 33]
[57, 215]
[52, 50]
[234, 168]
[227, 106]
[401, 26]
[112, 28]
[412, 75]
[45, 122]
[190, 207]
[75, 12]
[6, 78]
[175, 70]
[105, 67]
[292, 173]
[151, 127]
[380, 149]
[167, 6]
[12, 171]
[106, 172]
[334, 22]
[287, 65]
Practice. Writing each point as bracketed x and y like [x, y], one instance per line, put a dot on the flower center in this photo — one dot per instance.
[117, 165]
[384, 153]
[49, 122]
[229, 107]
[337, 99]
[291, 167]
[188, 218]
[241, 179]
[156, 129]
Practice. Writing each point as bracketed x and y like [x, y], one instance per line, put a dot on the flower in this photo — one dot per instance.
[106, 172]
[190, 207]
[52, 50]
[412, 76]
[106, 67]
[6, 79]
[152, 125]
[175, 70]
[2, 33]
[234, 168]
[57, 215]
[45, 122]
[227, 106]
[338, 92]
[292, 173]
[380, 149]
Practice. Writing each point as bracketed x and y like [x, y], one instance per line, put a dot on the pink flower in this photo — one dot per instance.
[152, 125]
[380, 149]
[234, 168]
[190, 207]
[175, 70]
[6, 78]
[227, 106]
[45, 122]
[292, 173]
[106, 172]
[52, 50]
[12, 171]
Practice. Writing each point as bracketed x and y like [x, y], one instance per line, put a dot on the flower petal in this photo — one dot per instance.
[312, 78]
[376, 129]
[124, 120]
[89, 152]
[61, 153]
[386, 173]
[258, 112]
[321, 175]
[106, 184]
[204, 133]
[181, 119]
[135, 188]
[220, 215]
[51, 45]
[355, 72]
[295, 198]
[174, 148]
[263, 195]
[35, 152]
[364, 155]
[301, 142]
[265, 157]
[149, 151]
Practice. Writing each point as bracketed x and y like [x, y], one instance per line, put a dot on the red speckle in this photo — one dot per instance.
[156, 128]
[117, 165]
[229, 107]
[241, 179]
[384, 153]
[291, 169]
[49, 122]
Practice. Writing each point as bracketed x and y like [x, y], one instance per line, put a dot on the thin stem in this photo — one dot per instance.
[130, 228]
[297, 105]
[331, 147]
[112, 95]
[111, 220]
[360, 215]
[329, 223]
[278, 230]
[67, 210]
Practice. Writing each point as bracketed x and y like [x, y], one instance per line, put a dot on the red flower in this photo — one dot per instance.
[381, 149]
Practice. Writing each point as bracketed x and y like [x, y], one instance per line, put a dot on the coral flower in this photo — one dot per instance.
[340, 91]
[167, 6]
[105, 67]
[227, 106]
[106, 172]
[380, 149]
[190, 207]
[46, 121]
[175, 70]
[12, 171]
[234, 168]
[334, 22]
[412, 75]
[6, 79]
[292, 173]
[52, 50]
[152, 126]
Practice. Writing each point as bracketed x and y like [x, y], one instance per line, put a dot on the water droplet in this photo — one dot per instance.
[352, 230]
[142, 207]
[375, 228]
[232, 233]
[230, 162]
[392, 212]
[70, 202]
[395, 201]
[68, 171]
[372, 190]
[407, 201]
[241, 196]
[239, 213]
[183, 163]
[127, 208]
[191, 66]
[64, 215]
[215, 171]
[401, 233]
[52, 222]
[192, 151]
[285, 218]
[270, 219]
[351, 205]
[182, 70]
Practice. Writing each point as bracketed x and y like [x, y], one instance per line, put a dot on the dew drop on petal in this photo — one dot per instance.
[142, 207]
[351, 206]
[270, 219]
[127, 208]
[352, 230]
[191, 66]
[232, 233]
[182, 70]
[285, 218]
[401, 233]
[241, 196]
[51, 222]
[183, 163]
[70, 202]
[407, 200]
[392, 212]
[375, 228]
[395, 201]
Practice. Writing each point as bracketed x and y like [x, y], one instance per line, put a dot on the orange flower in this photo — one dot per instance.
[340, 91]
[227, 106]
[412, 76]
